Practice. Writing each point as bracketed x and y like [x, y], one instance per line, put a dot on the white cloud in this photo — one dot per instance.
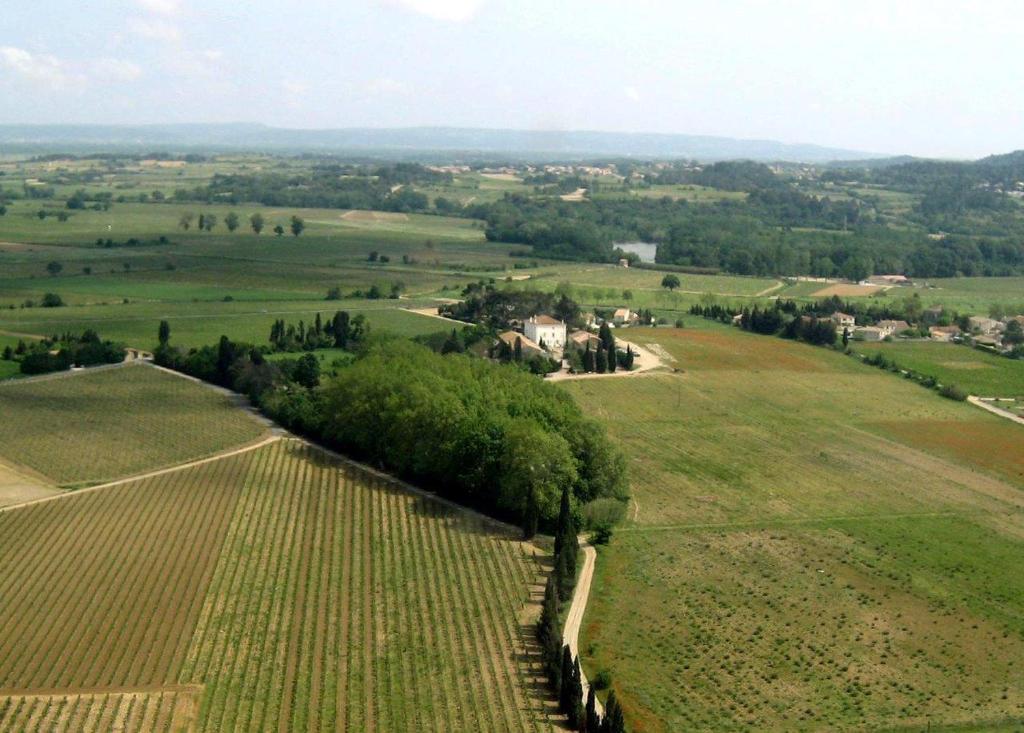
[159, 30]
[40, 68]
[160, 7]
[385, 86]
[115, 70]
[456, 11]
[631, 93]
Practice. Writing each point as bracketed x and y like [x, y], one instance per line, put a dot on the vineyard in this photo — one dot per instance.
[103, 425]
[277, 588]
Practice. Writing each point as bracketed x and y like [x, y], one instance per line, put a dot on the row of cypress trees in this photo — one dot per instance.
[563, 670]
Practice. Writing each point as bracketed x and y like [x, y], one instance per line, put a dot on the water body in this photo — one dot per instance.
[645, 250]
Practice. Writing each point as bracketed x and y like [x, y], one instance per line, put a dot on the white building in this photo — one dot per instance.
[843, 320]
[547, 331]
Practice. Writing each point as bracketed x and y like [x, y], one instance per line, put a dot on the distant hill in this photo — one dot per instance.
[412, 142]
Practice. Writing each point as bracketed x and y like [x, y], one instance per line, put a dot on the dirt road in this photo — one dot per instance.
[574, 619]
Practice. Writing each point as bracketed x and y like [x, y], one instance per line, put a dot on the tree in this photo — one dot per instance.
[670, 281]
[307, 371]
[208, 222]
[1014, 333]
[517, 351]
[278, 230]
[54, 268]
[601, 361]
[613, 718]
[231, 221]
[846, 337]
[163, 333]
[52, 300]
[256, 222]
[340, 329]
[592, 721]
[534, 467]
[185, 221]
[297, 226]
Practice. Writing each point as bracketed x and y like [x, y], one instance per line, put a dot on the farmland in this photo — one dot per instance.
[276, 588]
[978, 372]
[813, 543]
[103, 425]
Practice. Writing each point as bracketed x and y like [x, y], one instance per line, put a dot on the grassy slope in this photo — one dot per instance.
[93, 427]
[791, 563]
[978, 372]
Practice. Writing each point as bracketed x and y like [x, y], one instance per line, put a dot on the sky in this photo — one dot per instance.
[938, 78]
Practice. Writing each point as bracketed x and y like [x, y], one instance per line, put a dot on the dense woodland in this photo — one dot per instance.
[487, 435]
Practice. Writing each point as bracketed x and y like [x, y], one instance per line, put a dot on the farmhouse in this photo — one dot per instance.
[987, 326]
[843, 320]
[580, 339]
[625, 317]
[529, 347]
[870, 333]
[943, 333]
[546, 331]
[893, 327]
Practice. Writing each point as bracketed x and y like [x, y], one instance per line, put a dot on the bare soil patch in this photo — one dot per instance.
[844, 291]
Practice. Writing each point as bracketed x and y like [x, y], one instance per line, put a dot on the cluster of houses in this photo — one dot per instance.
[543, 335]
[981, 331]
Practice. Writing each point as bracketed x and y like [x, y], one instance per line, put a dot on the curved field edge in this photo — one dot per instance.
[90, 427]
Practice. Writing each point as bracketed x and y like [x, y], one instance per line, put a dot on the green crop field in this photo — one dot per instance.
[813, 544]
[977, 372]
[276, 589]
[98, 426]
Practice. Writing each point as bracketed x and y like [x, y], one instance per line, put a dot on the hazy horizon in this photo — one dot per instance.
[927, 79]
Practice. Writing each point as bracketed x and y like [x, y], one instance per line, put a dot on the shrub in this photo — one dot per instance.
[953, 392]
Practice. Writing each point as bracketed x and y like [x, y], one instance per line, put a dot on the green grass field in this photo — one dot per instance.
[813, 544]
[89, 427]
[978, 372]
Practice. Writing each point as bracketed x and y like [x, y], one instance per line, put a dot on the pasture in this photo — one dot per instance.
[801, 551]
[978, 372]
[277, 588]
[84, 428]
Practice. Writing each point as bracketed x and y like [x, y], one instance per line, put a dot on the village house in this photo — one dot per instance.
[529, 348]
[625, 317]
[893, 328]
[546, 331]
[986, 326]
[580, 339]
[943, 333]
[843, 320]
[870, 333]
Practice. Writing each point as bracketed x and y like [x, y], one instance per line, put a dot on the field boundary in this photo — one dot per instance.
[980, 402]
[149, 474]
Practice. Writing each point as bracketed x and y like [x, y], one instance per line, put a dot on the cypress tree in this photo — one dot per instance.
[592, 721]
[341, 329]
[576, 712]
[565, 523]
[565, 689]
[566, 566]
[613, 720]
[605, 334]
[318, 326]
[164, 333]
[517, 353]
[602, 361]
[589, 360]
